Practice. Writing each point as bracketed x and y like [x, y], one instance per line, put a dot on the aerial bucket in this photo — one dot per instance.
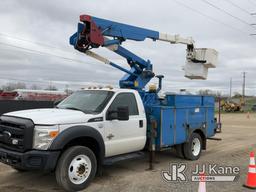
[197, 66]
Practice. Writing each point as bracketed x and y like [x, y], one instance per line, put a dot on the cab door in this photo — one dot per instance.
[124, 136]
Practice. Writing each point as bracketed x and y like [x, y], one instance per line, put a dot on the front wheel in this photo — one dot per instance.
[76, 168]
[192, 149]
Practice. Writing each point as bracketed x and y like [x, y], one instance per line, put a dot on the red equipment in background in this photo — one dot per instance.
[8, 95]
[33, 95]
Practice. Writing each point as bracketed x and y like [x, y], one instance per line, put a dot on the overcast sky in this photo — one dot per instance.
[34, 41]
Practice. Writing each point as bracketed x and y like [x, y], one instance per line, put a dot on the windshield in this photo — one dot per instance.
[87, 101]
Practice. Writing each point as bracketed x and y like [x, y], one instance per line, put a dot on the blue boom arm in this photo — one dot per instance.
[94, 32]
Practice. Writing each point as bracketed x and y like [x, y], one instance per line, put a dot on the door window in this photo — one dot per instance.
[125, 99]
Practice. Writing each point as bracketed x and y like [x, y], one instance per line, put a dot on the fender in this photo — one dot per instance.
[74, 132]
[190, 130]
[202, 131]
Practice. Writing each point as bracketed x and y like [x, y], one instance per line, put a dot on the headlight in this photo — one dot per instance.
[44, 135]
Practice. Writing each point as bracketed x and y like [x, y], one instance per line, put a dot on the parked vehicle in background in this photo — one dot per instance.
[254, 107]
[231, 106]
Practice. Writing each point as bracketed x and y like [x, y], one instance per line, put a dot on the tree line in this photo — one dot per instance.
[20, 85]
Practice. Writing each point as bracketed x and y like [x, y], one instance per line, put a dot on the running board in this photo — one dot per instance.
[124, 157]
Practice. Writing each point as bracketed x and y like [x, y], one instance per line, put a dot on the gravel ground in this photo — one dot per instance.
[238, 138]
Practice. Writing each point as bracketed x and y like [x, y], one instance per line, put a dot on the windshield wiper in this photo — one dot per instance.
[73, 108]
[77, 109]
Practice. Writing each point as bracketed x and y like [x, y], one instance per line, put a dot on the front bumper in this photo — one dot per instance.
[30, 160]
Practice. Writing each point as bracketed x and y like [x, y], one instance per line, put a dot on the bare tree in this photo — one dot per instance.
[35, 87]
[51, 88]
[205, 92]
[237, 95]
[13, 86]
[209, 92]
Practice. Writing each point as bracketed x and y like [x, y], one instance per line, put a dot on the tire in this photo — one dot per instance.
[193, 148]
[73, 160]
[179, 151]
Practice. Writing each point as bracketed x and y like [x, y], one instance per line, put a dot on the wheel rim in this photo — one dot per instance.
[79, 169]
[196, 147]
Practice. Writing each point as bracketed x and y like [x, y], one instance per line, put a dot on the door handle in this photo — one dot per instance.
[110, 136]
[141, 123]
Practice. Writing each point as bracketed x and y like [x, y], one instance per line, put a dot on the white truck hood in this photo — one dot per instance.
[53, 116]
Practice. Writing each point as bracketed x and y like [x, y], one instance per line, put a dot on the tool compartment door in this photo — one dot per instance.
[196, 117]
[167, 129]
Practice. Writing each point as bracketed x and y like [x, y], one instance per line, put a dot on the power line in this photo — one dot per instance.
[227, 13]
[40, 52]
[35, 42]
[29, 41]
[209, 17]
[235, 5]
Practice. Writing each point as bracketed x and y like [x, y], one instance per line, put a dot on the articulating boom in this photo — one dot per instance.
[94, 32]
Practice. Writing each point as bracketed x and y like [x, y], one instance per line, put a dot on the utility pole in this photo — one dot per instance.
[253, 24]
[230, 89]
[67, 89]
[243, 92]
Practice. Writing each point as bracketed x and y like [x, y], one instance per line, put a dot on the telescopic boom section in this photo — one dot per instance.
[94, 32]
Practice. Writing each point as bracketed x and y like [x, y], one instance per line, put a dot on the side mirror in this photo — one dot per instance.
[121, 114]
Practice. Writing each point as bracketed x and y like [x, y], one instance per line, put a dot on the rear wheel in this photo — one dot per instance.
[192, 149]
[76, 168]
